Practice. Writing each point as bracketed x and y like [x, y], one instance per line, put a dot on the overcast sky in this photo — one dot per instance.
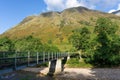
[14, 11]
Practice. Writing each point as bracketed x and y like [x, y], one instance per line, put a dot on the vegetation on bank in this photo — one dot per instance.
[76, 63]
[26, 44]
[101, 48]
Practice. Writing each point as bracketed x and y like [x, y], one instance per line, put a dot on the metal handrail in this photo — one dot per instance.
[15, 59]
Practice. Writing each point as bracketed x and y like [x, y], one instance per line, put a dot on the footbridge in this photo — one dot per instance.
[11, 61]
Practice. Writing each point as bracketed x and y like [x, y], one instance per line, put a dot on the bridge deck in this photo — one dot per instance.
[10, 61]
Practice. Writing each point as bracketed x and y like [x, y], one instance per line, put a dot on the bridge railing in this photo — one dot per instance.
[16, 59]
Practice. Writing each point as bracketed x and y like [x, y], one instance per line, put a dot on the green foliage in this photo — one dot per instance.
[105, 25]
[34, 44]
[26, 44]
[49, 42]
[108, 51]
[43, 64]
[80, 38]
[75, 63]
[50, 48]
[85, 23]
[102, 47]
[6, 44]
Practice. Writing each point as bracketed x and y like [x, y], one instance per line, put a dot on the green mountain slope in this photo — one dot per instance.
[56, 27]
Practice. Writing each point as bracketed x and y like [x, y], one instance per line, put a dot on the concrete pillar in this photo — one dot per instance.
[55, 66]
[68, 57]
[58, 66]
[64, 60]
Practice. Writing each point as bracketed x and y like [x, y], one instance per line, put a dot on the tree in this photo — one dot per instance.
[80, 38]
[28, 43]
[101, 47]
[32, 44]
[6, 44]
[107, 51]
[50, 48]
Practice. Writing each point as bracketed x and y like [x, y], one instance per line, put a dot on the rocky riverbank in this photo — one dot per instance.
[68, 74]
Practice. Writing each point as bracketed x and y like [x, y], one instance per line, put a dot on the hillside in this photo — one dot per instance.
[56, 27]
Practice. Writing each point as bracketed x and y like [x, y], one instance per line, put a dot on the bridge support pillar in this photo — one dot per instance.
[55, 66]
[68, 57]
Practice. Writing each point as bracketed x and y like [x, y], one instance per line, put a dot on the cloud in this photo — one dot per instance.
[73, 3]
[54, 4]
[113, 10]
[76, 3]
[118, 6]
[62, 4]
[92, 4]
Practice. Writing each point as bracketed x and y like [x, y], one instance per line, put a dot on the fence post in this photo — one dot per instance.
[68, 54]
[3, 57]
[28, 58]
[43, 56]
[3, 54]
[60, 54]
[15, 61]
[52, 55]
[37, 57]
[56, 55]
[48, 56]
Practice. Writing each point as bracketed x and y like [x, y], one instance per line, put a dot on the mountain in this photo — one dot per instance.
[117, 12]
[56, 27]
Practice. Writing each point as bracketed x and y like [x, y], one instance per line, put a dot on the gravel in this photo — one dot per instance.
[68, 74]
[90, 74]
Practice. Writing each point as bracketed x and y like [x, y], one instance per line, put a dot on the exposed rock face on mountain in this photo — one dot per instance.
[56, 26]
[117, 12]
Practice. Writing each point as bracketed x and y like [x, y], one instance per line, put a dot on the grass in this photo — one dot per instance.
[43, 64]
[76, 63]
[64, 47]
